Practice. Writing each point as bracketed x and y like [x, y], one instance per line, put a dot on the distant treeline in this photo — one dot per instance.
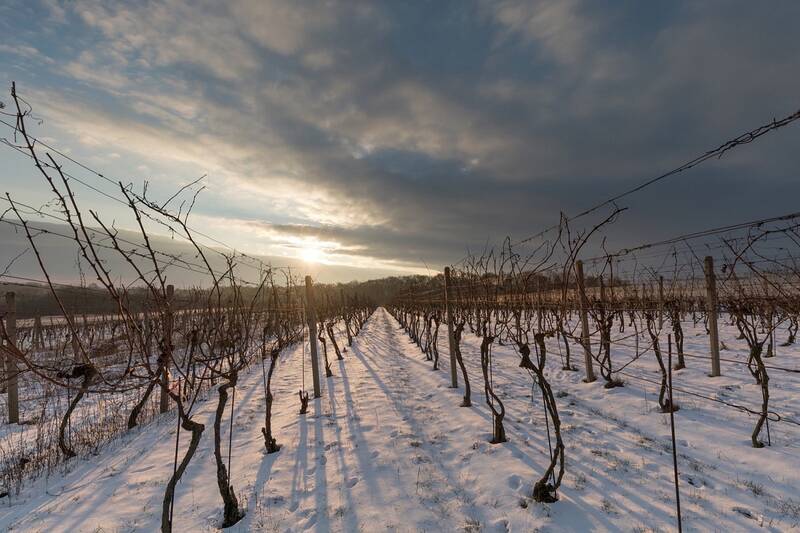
[35, 299]
[32, 300]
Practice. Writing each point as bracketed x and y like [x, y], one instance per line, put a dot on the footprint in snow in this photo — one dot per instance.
[502, 526]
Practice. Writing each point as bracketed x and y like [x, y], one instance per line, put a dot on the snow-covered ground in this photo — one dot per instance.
[386, 447]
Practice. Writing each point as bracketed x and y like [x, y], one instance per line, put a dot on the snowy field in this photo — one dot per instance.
[387, 448]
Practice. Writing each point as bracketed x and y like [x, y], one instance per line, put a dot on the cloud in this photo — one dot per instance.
[86, 70]
[563, 28]
[412, 133]
[284, 26]
[173, 34]
[25, 51]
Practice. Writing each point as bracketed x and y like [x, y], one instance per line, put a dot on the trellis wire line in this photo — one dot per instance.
[718, 152]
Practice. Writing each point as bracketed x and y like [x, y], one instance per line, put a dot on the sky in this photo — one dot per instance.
[361, 139]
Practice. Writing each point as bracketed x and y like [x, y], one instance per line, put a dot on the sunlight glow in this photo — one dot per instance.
[312, 254]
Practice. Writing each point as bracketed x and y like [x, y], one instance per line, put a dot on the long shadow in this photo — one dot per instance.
[104, 483]
[253, 386]
[574, 500]
[351, 512]
[417, 427]
[268, 460]
[198, 467]
[362, 452]
[602, 485]
[300, 463]
[601, 480]
[320, 474]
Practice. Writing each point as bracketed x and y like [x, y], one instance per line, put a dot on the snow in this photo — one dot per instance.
[386, 447]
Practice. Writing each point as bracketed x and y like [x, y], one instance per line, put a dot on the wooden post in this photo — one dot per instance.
[587, 351]
[605, 340]
[660, 302]
[450, 339]
[770, 323]
[11, 362]
[711, 310]
[38, 338]
[163, 402]
[311, 318]
[76, 347]
[345, 313]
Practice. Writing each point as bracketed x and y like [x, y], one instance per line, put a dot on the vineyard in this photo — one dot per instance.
[548, 383]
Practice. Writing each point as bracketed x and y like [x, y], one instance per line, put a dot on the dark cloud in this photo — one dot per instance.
[450, 123]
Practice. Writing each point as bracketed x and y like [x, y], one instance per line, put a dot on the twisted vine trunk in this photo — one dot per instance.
[428, 319]
[492, 400]
[347, 319]
[752, 366]
[749, 330]
[321, 337]
[133, 418]
[770, 335]
[567, 352]
[269, 440]
[435, 342]
[792, 331]
[543, 489]
[677, 330]
[763, 380]
[231, 512]
[196, 429]
[458, 330]
[663, 401]
[329, 329]
[605, 349]
[88, 372]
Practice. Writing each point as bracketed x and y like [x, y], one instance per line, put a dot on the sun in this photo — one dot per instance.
[312, 254]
